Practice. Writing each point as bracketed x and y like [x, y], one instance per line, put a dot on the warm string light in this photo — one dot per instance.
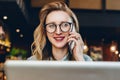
[17, 30]
[21, 35]
[5, 17]
[119, 55]
[113, 47]
[85, 47]
[116, 52]
[5, 43]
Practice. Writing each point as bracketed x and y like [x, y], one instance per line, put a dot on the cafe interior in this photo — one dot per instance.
[99, 27]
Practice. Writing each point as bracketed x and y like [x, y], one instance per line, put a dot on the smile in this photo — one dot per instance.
[58, 38]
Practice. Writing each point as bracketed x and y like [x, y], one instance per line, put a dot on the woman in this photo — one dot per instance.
[57, 36]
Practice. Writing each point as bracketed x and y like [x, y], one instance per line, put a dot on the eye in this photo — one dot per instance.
[65, 24]
[51, 25]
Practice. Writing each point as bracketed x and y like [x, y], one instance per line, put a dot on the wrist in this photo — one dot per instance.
[79, 57]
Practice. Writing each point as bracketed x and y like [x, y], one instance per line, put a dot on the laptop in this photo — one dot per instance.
[61, 70]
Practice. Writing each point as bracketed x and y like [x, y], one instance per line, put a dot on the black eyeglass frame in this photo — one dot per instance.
[71, 26]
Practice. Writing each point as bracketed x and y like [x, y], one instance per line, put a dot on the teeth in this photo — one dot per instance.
[58, 38]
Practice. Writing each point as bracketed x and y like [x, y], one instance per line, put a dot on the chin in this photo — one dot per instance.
[60, 46]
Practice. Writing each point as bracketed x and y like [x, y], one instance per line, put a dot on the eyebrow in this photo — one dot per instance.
[60, 22]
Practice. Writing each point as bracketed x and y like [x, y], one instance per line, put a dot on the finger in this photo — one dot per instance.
[72, 39]
[77, 43]
[75, 35]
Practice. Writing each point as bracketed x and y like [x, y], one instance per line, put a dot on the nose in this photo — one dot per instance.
[58, 30]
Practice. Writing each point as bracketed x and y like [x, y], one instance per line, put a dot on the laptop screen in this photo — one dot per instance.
[61, 70]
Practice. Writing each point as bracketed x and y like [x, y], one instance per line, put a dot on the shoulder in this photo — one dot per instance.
[87, 58]
[32, 58]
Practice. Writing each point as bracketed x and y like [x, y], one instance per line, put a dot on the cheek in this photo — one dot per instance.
[66, 34]
[49, 35]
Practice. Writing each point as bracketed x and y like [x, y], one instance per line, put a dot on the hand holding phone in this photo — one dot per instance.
[76, 45]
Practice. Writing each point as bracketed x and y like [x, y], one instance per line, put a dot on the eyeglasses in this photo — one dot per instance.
[64, 27]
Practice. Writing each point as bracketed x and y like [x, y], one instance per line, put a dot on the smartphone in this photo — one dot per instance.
[72, 43]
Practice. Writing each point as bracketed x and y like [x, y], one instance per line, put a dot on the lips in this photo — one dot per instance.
[59, 38]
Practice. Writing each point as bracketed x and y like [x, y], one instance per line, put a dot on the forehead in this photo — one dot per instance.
[57, 17]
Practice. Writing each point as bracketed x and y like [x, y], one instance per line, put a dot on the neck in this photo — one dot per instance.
[59, 53]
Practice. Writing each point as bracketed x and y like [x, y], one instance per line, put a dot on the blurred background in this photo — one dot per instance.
[99, 26]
